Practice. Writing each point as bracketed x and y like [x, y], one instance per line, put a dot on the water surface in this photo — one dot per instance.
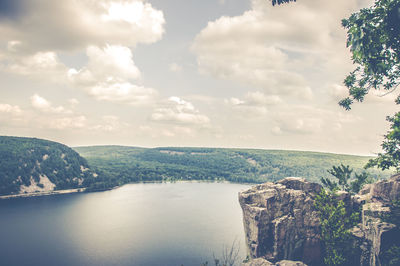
[137, 224]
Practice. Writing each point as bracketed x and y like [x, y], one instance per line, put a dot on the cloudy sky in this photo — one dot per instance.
[214, 73]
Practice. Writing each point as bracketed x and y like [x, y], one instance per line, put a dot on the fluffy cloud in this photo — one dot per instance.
[33, 35]
[276, 48]
[176, 110]
[73, 102]
[108, 74]
[254, 103]
[44, 25]
[76, 122]
[44, 105]
[11, 116]
[124, 92]
[111, 61]
[301, 119]
[44, 65]
[10, 109]
[174, 67]
[259, 98]
[57, 117]
[110, 123]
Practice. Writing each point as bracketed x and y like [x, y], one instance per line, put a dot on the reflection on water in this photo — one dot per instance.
[137, 224]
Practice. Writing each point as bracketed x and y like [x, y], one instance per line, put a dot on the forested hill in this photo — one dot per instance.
[131, 164]
[30, 165]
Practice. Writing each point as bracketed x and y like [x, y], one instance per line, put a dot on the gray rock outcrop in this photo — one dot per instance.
[375, 200]
[280, 221]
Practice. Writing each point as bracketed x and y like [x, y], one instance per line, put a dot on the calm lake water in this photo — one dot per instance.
[137, 224]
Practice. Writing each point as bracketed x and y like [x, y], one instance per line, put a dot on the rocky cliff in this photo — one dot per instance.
[281, 223]
[374, 235]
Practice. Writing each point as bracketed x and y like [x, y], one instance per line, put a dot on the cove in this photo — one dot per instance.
[136, 224]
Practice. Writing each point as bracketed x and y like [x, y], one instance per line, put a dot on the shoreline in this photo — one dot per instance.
[81, 190]
[47, 193]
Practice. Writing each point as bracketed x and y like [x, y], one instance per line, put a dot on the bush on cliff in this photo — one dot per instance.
[345, 180]
[336, 223]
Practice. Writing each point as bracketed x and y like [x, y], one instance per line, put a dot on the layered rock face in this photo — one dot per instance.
[373, 234]
[280, 221]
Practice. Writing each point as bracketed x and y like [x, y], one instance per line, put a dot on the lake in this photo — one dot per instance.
[136, 224]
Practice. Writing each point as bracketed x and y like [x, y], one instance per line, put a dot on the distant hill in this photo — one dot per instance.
[131, 164]
[30, 165]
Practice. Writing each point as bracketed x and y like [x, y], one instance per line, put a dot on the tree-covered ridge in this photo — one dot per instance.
[29, 163]
[131, 164]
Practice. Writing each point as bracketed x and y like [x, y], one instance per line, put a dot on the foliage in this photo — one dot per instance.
[131, 164]
[336, 223]
[344, 174]
[390, 146]
[329, 184]
[373, 35]
[359, 181]
[23, 159]
[391, 256]
[229, 256]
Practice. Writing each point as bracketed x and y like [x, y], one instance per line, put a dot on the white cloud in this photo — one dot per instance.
[337, 92]
[107, 29]
[56, 117]
[111, 61]
[12, 116]
[256, 98]
[110, 123]
[176, 110]
[73, 102]
[301, 119]
[43, 116]
[40, 103]
[103, 64]
[107, 76]
[12, 46]
[276, 49]
[44, 105]
[90, 22]
[161, 130]
[44, 65]
[10, 109]
[235, 101]
[75, 122]
[254, 104]
[124, 92]
[259, 98]
[174, 67]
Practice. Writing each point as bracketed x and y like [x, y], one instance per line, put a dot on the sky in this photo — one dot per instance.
[210, 73]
